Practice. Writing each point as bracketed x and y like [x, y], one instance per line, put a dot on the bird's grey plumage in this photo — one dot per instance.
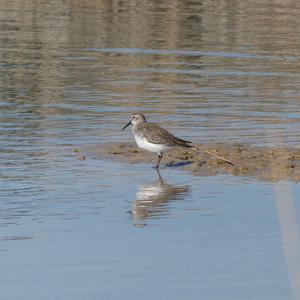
[157, 135]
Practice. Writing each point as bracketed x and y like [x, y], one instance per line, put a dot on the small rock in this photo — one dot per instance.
[80, 157]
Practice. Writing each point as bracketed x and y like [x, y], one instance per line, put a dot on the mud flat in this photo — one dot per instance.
[269, 164]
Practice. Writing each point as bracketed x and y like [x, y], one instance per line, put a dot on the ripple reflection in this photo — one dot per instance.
[152, 200]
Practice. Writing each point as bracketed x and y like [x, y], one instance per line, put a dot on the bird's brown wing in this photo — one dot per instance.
[158, 135]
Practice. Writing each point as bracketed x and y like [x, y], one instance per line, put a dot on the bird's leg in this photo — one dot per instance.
[159, 176]
[160, 155]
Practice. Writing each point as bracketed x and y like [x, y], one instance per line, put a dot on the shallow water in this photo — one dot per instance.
[71, 74]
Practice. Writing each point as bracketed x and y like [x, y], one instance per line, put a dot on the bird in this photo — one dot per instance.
[152, 137]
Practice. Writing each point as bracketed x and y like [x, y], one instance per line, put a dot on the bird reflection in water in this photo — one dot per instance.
[152, 199]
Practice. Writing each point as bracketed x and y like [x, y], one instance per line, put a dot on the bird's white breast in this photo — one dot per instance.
[144, 144]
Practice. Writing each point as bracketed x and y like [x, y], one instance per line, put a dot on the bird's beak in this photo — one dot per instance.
[129, 123]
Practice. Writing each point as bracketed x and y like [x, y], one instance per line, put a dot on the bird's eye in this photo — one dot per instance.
[133, 117]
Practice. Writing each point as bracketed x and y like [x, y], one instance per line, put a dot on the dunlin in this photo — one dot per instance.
[153, 138]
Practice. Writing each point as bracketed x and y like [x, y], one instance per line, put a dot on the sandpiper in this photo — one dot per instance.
[153, 138]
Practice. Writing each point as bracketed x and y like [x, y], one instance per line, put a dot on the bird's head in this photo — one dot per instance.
[136, 119]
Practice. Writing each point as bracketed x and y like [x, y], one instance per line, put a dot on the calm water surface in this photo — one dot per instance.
[71, 74]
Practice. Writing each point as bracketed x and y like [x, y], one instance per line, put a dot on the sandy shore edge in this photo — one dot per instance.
[269, 164]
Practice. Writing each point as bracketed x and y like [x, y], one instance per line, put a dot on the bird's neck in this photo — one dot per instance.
[137, 126]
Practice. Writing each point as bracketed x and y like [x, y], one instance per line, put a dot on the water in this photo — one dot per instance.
[71, 74]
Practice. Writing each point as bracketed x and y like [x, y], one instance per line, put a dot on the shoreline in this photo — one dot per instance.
[263, 163]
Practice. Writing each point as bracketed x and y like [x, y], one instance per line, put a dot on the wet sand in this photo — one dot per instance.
[269, 164]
